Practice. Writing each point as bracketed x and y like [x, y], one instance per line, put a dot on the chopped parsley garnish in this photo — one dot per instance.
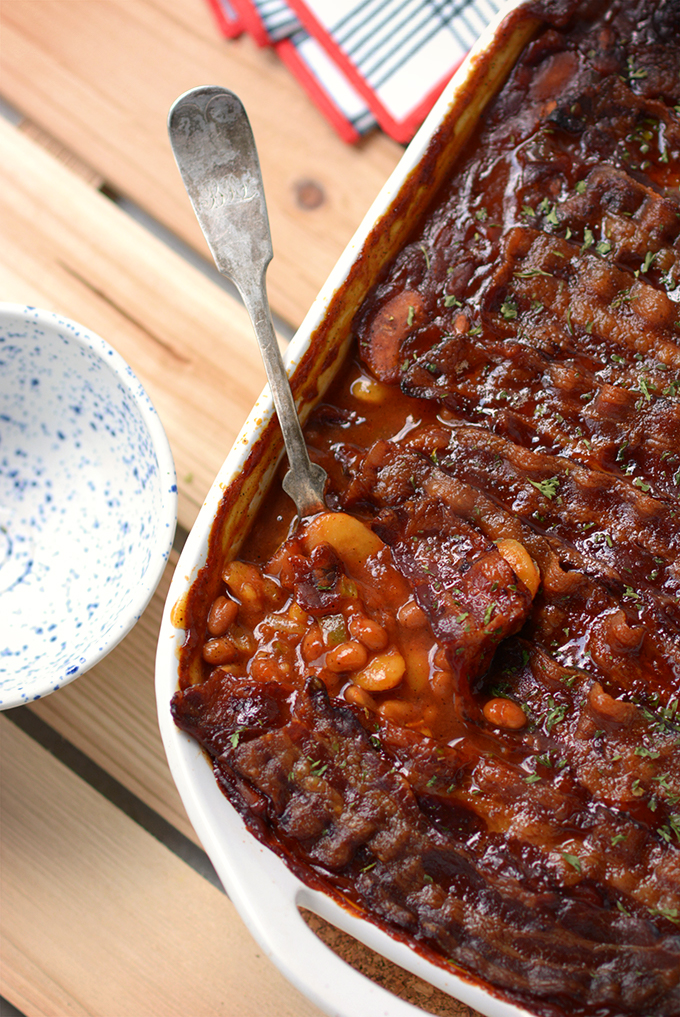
[555, 715]
[647, 263]
[551, 217]
[642, 750]
[572, 860]
[548, 487]
[489, 611]
[635, 73]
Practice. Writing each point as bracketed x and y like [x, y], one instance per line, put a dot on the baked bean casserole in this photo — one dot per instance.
[451, 701]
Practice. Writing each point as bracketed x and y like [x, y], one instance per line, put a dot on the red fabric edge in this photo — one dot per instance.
[232, 29]
[290, 56]
[251, 21]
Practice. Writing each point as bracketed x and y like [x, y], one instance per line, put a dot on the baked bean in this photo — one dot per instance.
[359, 697]
[411, 616]
[369, 632]
[297, 614]
[440, 659]
[312, 644]
[368, 390]
[333, 682]
[243, 639]
[350, 656]
[442, 684]
[219, 651]
[264, 668]
[351, 539]
[276, 597]
[504, 713]
[417, 672]
[246, 583]
[397, 711]
[384, 671]
[521, 563]
[222, 614]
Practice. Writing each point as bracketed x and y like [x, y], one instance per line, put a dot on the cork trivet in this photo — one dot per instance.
[390, 976]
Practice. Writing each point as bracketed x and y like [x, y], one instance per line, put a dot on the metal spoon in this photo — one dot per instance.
[213, 144]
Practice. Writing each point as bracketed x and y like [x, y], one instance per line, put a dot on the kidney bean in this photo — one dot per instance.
[350, 656]
[219, 651]
[246, 583]
[369, 632]
[312, 644]
[359, 697]
[504, 713]
[411, 616]
[222, 614]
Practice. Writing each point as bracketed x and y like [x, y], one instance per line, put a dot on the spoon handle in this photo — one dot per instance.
[213, 145]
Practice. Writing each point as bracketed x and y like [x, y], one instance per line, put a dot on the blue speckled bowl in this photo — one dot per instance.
[88, 501]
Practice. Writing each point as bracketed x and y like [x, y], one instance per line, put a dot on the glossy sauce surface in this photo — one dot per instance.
[452, 700]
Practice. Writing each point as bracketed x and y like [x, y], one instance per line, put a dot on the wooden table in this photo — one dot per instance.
[109, 905]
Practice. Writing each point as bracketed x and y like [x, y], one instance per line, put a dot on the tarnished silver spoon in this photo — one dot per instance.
[215, 150]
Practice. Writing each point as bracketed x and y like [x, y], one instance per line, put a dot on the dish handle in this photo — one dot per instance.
[338, 989]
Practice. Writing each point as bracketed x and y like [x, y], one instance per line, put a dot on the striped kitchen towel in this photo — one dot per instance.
[369, 61]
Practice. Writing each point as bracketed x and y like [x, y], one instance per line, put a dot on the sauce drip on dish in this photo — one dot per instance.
[452, 700]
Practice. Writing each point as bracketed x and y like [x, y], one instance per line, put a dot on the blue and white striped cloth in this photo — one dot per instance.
[369, 62]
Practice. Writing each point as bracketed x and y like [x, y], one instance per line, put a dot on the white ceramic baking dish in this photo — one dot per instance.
[265, 892]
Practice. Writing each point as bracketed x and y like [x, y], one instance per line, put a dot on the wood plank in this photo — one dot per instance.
[110, 714]
[100, 919]
[68, 248]
[108, 73]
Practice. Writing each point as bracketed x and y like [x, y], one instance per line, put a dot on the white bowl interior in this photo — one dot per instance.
[87, 501]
